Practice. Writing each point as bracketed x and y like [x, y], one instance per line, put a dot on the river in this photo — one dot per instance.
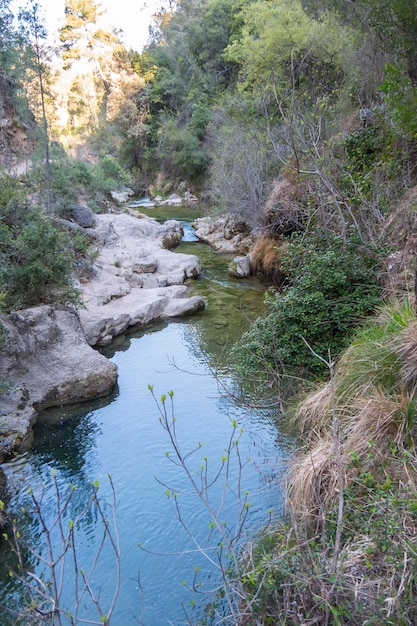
[165, 580]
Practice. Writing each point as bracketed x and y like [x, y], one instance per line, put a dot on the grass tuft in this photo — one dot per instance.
[347, 551]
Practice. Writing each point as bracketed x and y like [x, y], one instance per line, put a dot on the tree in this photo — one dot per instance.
[239, 161]
[35, 34]
[191, 73]
[100, 81]
[7, 32]
[395, 22]
[80, 18]
[281, 46]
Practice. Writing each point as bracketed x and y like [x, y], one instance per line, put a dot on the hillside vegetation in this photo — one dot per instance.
[296, 118]
[300, 120]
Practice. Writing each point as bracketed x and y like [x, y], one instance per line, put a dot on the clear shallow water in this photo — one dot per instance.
[122, 435]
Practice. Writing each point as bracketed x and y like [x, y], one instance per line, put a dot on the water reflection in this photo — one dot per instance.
[67, 435]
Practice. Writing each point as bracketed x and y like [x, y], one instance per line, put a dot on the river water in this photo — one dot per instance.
[165, 579]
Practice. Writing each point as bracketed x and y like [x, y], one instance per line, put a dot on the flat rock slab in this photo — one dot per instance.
[139, 307]
[137, 279]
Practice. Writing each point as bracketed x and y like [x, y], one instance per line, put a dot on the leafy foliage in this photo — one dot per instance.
[36, 256]
[395, 22]
[191, 70]
[72, 178]
[281, 47]
[401, 100]
[36, 265]
[180, 152]
[332, 287]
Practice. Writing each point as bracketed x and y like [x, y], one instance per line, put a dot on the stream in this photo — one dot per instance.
[122, 435]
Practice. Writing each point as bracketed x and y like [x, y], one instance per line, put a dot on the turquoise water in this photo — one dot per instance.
[122, 436]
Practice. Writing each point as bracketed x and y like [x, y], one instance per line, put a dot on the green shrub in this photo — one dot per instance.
[180, 151]
[400, 97]
[363, 150]
[36, 264]
[332, 287]
[74, 178]
[9, 191]
[108, 174]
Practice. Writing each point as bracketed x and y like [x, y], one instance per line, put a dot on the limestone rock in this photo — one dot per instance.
[42, 351]
[140, 306]
[121, 196]
[137, 280]
[240, 267]
[172, 200]
[46, 357]
[224, 234]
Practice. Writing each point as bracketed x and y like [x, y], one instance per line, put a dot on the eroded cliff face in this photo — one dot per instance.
[17, 131]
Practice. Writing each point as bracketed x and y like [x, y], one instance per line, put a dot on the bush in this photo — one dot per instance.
[363, 150]
[36, 264]
[108, 174]
[332, 287]
[75, 178]
[400, 97]
[180, 151]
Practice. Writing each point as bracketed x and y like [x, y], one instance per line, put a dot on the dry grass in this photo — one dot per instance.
[372, 425]
[372, 397]
[266, 258]
[407, 352]
[379, 421]
[311, 484]
[347, 554]
[312, 416]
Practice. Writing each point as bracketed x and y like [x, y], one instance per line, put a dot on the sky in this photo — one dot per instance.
[132, 16]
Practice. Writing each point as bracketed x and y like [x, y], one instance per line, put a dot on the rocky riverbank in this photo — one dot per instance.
[47, 356]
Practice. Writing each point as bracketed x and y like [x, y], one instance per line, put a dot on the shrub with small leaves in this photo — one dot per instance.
[332, 287]
[36, 264]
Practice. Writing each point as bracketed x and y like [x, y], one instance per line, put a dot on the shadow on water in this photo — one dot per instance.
[58, 428]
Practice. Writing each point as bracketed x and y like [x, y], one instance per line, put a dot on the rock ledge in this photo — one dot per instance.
[47, 358]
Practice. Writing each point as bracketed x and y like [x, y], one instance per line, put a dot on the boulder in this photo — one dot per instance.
[224, 234]
[42, 351]
[171, 234]
[172, 200]
[240, 267]
[121, 196]
[81, 215]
